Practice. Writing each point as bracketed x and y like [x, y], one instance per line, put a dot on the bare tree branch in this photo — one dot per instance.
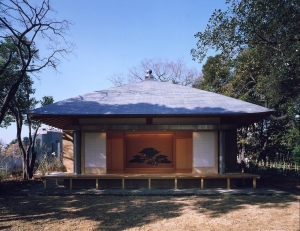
[279, 118]
[22, 24]
[165, 71]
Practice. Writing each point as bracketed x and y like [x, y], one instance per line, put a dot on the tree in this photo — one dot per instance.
[22, 25]
[269, 31]
[17, 109]
[166, 71]
[261, 39]
[216, 74]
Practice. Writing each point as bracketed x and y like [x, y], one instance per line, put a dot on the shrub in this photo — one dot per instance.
[49, 164]
[17, 172]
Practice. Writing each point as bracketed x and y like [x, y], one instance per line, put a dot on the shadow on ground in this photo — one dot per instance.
[123, 212]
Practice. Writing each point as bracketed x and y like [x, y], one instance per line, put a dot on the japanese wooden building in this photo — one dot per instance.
[150, 127]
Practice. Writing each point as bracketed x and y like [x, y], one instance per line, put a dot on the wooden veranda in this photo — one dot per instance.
[147, 180]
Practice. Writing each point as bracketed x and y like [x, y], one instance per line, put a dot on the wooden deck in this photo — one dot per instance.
[149, 177]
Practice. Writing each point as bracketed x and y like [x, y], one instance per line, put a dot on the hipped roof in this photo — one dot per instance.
[147, 98]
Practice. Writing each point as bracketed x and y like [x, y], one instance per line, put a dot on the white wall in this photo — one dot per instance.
[204, 149]
[95, 150]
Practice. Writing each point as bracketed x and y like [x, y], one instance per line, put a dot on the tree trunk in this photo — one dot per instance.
[32, 147]
[30, 168]
[10, 95]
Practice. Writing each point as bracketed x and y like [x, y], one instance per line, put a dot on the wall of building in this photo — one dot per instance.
[68, 151]
[118, 152]
[50, 142]
[231, 151]
[182, 152]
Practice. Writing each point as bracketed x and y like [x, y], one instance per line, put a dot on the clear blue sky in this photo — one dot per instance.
[114, 35]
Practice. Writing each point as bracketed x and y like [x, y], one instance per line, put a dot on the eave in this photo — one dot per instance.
[63, 121]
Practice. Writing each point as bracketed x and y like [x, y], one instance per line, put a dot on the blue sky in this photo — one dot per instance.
[113, 35]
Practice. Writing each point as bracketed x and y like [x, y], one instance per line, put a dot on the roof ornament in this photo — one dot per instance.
[149, 75]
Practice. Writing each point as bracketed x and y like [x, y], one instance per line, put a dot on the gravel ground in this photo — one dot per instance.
[30, 207]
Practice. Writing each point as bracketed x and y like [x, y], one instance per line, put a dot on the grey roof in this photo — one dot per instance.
[150, 97]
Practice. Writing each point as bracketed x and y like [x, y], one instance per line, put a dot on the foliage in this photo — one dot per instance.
[17, 172]
[265, 37]
[217, 72]
[166, 71]
[49, 164]
[281, 171]
[260, 63]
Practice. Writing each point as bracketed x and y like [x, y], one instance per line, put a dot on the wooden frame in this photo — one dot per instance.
[151, 177]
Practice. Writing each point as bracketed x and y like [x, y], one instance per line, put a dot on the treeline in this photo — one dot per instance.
[259, 62]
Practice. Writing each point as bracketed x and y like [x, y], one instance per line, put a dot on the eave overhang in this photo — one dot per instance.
[65, 121]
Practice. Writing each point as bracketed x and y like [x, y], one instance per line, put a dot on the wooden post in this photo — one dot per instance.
[221, 152]
[97, 183]
[254, 182]
[228, 183]
[149, 183]
[202, 183]
[123, 183]
[175, 182]
[45, 183]
[77, 152]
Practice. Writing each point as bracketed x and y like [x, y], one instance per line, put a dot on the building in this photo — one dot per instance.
[150, 127]
[49, 140]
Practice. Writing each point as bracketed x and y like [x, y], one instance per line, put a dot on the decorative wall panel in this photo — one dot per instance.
[149, 151]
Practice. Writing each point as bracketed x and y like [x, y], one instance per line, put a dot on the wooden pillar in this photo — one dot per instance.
[228, 183]
[123, 183]
[45, 183]
[221, 152]
[77, 152]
